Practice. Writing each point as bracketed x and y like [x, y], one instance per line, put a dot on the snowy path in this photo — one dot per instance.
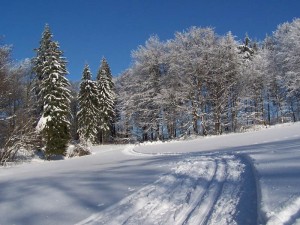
[199, 190]
[245, 179]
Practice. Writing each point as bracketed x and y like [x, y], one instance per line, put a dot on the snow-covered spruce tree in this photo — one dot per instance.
[74, 108]
[106, 98]
[88, 103]
[54, 95]
[38, 63]
[245, 50]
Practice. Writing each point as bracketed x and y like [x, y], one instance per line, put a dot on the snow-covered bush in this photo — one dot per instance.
[78, 150]
[17, 149]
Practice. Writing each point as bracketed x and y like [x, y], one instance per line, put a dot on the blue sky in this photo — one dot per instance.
[87, 30]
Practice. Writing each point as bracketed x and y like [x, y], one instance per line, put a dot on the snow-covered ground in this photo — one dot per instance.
[248, 178]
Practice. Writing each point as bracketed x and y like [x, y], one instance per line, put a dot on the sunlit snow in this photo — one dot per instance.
[248, 178]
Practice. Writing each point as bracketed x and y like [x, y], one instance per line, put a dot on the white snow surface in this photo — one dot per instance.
[42, 123]
[248, 178]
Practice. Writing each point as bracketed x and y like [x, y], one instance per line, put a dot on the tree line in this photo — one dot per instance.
[202, 83]
[198, 83]
[41, 109]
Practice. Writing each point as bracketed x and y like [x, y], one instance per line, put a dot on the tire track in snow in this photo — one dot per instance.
[199, 190]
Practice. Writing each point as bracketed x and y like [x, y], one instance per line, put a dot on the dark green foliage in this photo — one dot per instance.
[38, 62]
[56, 136]
[106, 96]
[88, 103]
[53, 95]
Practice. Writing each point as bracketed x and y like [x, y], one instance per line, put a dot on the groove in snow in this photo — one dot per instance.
[198, 190]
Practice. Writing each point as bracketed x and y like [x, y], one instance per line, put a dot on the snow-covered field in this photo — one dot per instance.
[248, 178]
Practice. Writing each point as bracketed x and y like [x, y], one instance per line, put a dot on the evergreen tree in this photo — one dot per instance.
[54, 95]
[38, 62]
[106, 95]
[88, 103]
[74, 108]
[245, 49]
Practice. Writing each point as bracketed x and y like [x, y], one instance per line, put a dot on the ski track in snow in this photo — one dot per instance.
[198, 190]
[129, 150]
[289, 214]
[214, 180]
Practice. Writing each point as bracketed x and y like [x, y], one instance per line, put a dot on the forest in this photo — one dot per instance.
[198, 83]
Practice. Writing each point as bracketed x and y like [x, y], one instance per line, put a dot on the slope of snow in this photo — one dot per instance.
[249, 178]
[278, 168]
[198, 190]
[274, 154]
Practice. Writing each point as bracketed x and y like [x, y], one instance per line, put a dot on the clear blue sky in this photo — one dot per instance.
[87, 30]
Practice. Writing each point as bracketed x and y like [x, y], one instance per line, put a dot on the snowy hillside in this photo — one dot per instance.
[249, 178]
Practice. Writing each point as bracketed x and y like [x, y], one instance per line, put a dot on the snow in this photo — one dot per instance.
[247, 178]
[42, 123]
[279, 169]
[181, 196]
